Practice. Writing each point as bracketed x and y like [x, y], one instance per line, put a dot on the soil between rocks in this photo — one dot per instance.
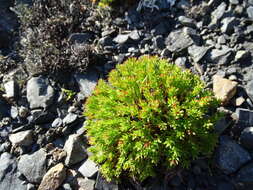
[41, 123]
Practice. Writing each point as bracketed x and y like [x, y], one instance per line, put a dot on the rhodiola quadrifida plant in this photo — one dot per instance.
[149, 114]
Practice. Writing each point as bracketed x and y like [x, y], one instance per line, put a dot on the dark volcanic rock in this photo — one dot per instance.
[33, 166]
[230, 156]
[178, 41]
[244, 116]
[245, 174]
[197, 52]
[9, 179]
[246, 138]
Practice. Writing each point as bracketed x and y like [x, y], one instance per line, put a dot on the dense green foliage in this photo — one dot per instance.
[150, 113]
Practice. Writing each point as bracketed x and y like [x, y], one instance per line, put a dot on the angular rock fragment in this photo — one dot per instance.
[230, 156]
[88, 168]
[9, 179]
[245, 175]
[53, 178]
[224, 89]
[87, 82]
[33, 166]
[197, 52]
[75, 149]
[178, 41]
[23, 138]
[39, 93]
[246, 138]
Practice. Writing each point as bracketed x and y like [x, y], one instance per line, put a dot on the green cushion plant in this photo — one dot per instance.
[149, 114]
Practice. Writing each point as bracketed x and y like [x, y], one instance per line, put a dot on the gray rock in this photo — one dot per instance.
[230, 156]
[221, 40]
[246, 138]
[87, 82]
[88, 168]
[23, 138]
[33, 166]
[250, 12]
[228, 24]
[102, 184]
[218, 13]
[186, 21]
[249, 89]
[245, 174]
[178, 41]
[181, 62]
[69, 119]
[57, 122]
[135, 35]
[66, 186]
[234, 2]
[244, 116]
[121, 38]
[159, 42]
[39, 93]
[197, 52]
[14, 112]
[11, 89]
[75, 149]
[86, 184]
[9, 179]
[222, 56]
[79, 38]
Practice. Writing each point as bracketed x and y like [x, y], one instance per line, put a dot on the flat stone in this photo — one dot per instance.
[234, 2]
[53, 178]
[135, 35]
[250, 12]
[23, 138]
[228, 24]
[87, 82]
[221, 56]
[244, 116]
[69, 119]
[33, 166]
[11, 89]
[241, 54]
[197, 52]
[86, 184]
[230, 156]
[218, 13]
[178, 41]
[224, 89]
[246, 138]
[121, 38]
[88, 168]
[39, 93]
[9, 179]
[76, 151]
[186, 21]
[57, 122]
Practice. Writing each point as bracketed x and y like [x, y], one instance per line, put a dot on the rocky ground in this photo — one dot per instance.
[42, 142]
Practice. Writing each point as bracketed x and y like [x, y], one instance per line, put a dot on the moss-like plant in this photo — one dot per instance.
[149, 114]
